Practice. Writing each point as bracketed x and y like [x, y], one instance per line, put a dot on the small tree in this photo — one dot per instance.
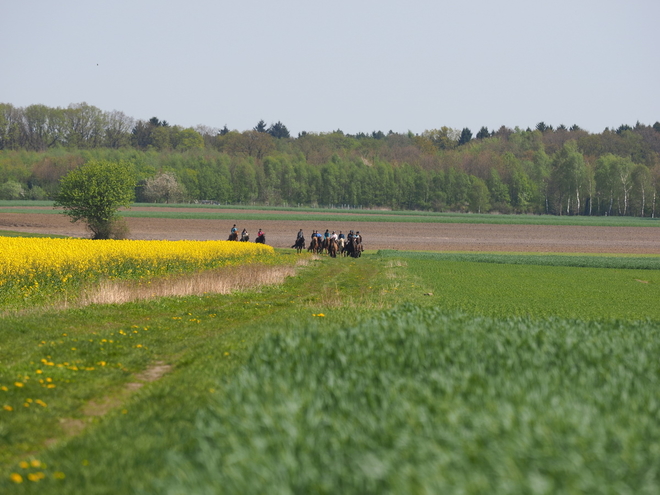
[163, 188]
[94, 193]
[11, 190]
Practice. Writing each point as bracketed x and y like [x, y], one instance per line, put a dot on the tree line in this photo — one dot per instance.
[546, 170]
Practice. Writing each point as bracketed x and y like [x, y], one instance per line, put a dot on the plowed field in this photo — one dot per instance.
[377, 235]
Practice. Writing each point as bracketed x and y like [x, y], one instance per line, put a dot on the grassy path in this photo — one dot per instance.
[91, 355]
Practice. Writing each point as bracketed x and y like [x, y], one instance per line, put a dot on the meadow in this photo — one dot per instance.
[398, 372]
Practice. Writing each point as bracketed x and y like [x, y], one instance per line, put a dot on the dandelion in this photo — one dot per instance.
[19, 384]
[35, 463]
[16, 478]
[8, 408]
[24, 464]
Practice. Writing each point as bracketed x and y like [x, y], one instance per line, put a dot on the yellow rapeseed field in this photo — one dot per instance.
[32, 267]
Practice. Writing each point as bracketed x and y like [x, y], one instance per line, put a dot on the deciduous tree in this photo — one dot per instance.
[94, 193]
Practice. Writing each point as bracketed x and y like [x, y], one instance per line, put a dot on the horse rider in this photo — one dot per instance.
[244, 235]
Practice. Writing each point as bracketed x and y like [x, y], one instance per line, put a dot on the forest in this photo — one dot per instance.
[546, 170]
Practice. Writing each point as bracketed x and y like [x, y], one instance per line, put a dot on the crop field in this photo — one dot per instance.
[397, 372]
[34, 270]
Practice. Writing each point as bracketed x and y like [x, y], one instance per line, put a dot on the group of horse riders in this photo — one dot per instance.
[245, 237]
[332, 243]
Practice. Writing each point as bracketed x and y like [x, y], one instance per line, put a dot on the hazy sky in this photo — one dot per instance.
[352, 65]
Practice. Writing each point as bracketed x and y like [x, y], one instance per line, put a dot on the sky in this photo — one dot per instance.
[358, 66]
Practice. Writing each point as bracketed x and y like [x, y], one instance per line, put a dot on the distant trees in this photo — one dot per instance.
[483, 133]
[11, 190]
[465, 137]
[541, 170]
[163, 188]
[278, 130]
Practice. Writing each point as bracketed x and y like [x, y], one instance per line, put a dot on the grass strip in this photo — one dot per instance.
[627, 262]
[317, 214]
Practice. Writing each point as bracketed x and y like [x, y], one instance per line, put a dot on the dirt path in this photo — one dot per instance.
[377, 235]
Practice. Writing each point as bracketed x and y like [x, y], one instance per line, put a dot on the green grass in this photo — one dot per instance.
[372, 397]
[206, 338]
[622, 261]
[499, 285]
[239, 212]
[11, 233]
[418, 401]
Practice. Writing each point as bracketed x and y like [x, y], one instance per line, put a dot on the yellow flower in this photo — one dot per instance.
[36, 476]
[16, 478]
[24, 464]
[59, 475]
[35, 463]
[18, 384]
[7, 408]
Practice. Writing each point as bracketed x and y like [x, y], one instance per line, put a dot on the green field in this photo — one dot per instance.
[355, 215]
[393, 373]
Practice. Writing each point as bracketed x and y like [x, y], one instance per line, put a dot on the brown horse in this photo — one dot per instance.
[233, 236]
[331, 247]
[314, 245]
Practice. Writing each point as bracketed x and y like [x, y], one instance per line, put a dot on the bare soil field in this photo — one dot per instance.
[377, 235]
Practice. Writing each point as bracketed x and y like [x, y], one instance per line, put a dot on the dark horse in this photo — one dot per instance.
[261, 239]
[299, 245]
[233, 236]
[354, 248]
